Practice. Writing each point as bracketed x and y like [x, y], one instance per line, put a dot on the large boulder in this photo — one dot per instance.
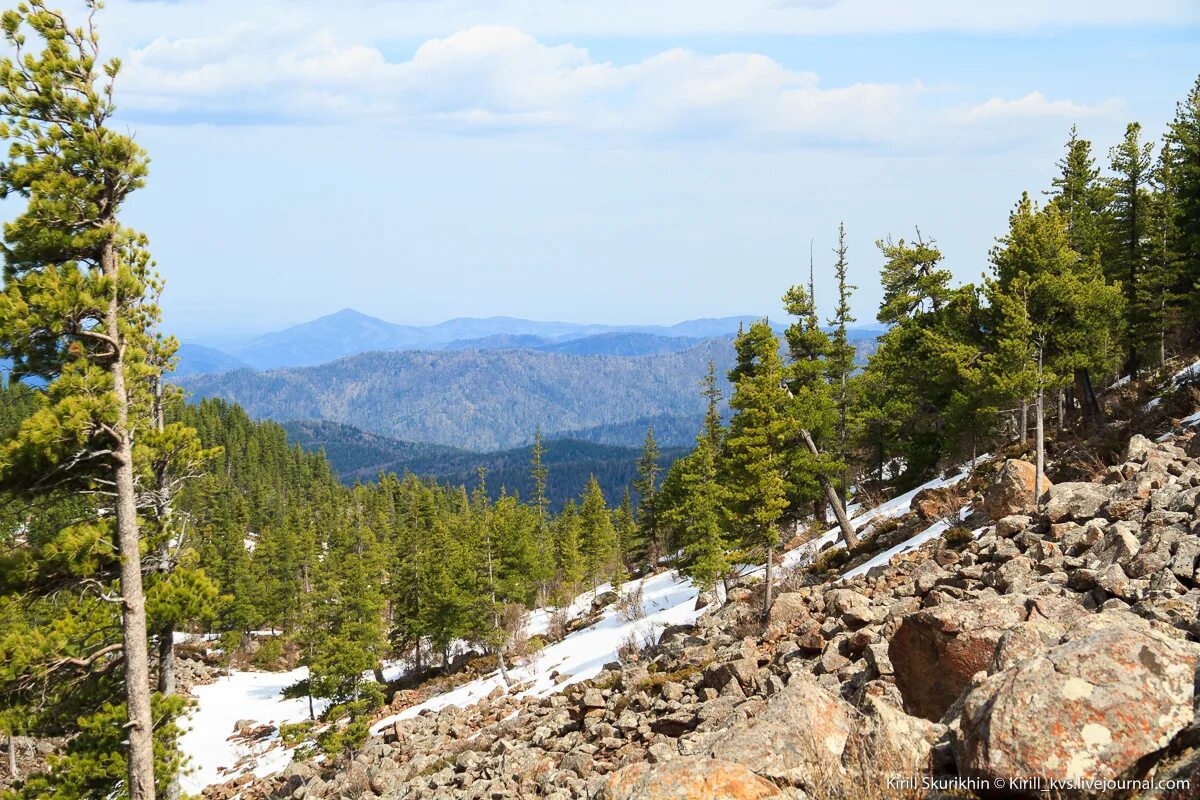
[898, 743]
[787, 611]
[1012, 490]
[935, 651]
[798, 739]
[1076, 500]
[688, 779]
[1113, 691]
[936, 503]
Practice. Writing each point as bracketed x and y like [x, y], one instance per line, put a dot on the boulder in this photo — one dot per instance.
[787, 611]
[935, 651]
[1012, 490]
[688, 779]
[898, 744]
[1113, 691]
[1139, 446]
[936, 503]
[799, 737]
[1076, 500]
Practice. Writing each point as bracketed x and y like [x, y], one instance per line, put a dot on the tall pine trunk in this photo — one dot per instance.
[831, 495]
[13, 771]
[770, 580]
[1024, 420]
[1041, 440]
[1089, 406]
[140, 729]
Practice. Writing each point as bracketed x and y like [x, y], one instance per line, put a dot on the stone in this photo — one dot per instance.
[802, 733]
[898, 743]
[688, 779]
[1118, 546]
[1112, 692]
[1138, 448]
[936, 651]
[935, 503]
[1011, 492]
[788, 610]
[1076, 500]
[1013, 523]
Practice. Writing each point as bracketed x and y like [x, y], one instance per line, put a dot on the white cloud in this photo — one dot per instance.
[1036, 105]
[491, 78]
[424, 18]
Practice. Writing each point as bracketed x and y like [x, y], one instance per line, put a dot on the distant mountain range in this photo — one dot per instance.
[359, 455]
[349, 332]
[474, 384]
[481, 399]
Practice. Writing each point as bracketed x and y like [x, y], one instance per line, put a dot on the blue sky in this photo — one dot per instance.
[602, 160]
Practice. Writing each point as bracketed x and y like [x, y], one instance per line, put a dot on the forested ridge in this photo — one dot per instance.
[130, 514]
[360, 456]
[473, 399]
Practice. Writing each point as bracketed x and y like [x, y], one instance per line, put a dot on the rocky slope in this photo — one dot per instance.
[1024, 645]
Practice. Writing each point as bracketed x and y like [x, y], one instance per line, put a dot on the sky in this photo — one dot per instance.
[619, 161]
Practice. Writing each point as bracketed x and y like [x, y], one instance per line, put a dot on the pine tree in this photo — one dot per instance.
[918, 397]
[809, 468]
[75, 312]
[1056, 313]
[1084, 200]
[840, 361]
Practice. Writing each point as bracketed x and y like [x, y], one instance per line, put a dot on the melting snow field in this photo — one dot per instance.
[220, 705]
[668, 600]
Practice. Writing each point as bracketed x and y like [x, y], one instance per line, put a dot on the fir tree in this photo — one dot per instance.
[1181, 155]
[697, 513]
[1132, 163]
[756, 492]
[597, 537]
[646, 487]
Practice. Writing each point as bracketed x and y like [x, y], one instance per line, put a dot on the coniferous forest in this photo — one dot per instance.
[131, 513]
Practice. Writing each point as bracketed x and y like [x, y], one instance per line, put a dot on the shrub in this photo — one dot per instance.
[631, 607]
[558, 625]
[294, 733]
[269, 654]
[828, 560]
[958, 536]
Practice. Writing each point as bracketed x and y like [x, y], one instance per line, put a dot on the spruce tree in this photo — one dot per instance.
[543, 572]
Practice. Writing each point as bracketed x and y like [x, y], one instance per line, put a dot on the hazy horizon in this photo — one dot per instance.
[613, 161]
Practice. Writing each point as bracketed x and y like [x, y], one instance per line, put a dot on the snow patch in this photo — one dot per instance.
[668, 600]
[257, 696]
